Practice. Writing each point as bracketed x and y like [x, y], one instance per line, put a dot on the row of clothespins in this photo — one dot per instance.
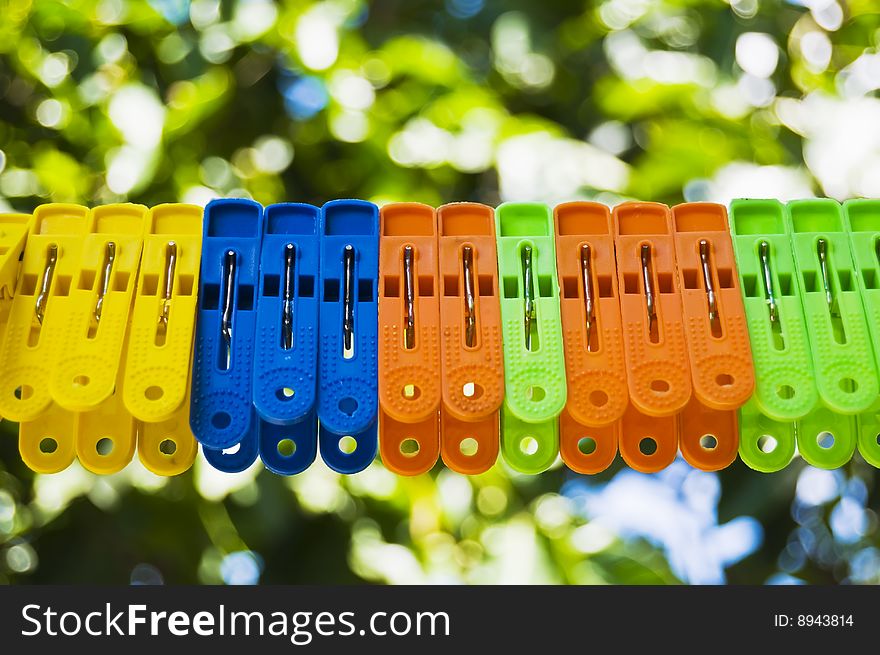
[446, 334]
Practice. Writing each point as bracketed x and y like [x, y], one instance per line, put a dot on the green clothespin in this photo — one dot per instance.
[862, 223]
[785, 390]
[534, 364]
[843, 358]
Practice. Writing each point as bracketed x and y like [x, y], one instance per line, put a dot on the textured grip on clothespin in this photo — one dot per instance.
[221, 410]
[163, 315]
[534, 362]
[472, 362]
[347, 354]
[95, 314]
[594, 358]
[28, 354]
[285, 367]
[409, 351]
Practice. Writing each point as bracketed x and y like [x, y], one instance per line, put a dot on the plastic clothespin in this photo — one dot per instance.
[221, 409]
[14, 230]
[843, 359]
[47, 444]
[534, 361]
[163, 315]
[862, 223]
[472, 360]
[409, 355]
[589, 428]
[721, 367]
[95, 313]
[285, 368]
[655, 348]
[29, 354]
[784, 385]
[348, 360]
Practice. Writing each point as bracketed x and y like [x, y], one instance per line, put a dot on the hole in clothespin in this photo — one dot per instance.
[347, 445]
[409, 447]
[286, 447]
[648, 446]
[104, 446]
[586, 445]
[48, 445]
[468, 446]
[168, 447]
[767, 444]
[348, 406]
[528, 445]
[708, 442]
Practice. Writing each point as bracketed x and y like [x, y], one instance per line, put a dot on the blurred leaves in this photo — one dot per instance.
[435, 101]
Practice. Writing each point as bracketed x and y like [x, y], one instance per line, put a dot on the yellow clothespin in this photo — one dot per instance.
[95, 313]
[52, 256]
[163, 316]
[169, 447]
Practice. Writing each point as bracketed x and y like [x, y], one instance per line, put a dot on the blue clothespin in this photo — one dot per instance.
[285, 368]
[221, 412]
[348, 371]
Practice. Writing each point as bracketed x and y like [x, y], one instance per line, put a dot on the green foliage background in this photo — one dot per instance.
[167, 100]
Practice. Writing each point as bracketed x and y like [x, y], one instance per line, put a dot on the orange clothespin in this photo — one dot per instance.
[409, 351]
[655, 348]
[722, 373]
[598, 396]
[472, 356]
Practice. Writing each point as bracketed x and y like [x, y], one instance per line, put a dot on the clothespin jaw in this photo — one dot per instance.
[163, 315]
[534, 363]
[594, 358]
[765, 444]
[28, 353]
[862, 223]
[106, 437]
[784, 385]
[47, 444]
[14, 230]
[651, 311]
[472, 360]
[168, 447]
[285, 370]
[348, 360]
[221, 411]
[95, 314]
[409, 355]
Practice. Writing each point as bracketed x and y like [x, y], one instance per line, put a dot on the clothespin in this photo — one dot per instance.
[843, 359]
[594, 359]
[534, 362]
[715, 328]
[95, 313]
[409, 355]
[47, 443]
[655, 349]
[862, 223]
[472, 361]
[30, 351]
[285, 367]
[348, 360]
[221, 410]
[14, 230]
[784, 385]
[163, 315]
